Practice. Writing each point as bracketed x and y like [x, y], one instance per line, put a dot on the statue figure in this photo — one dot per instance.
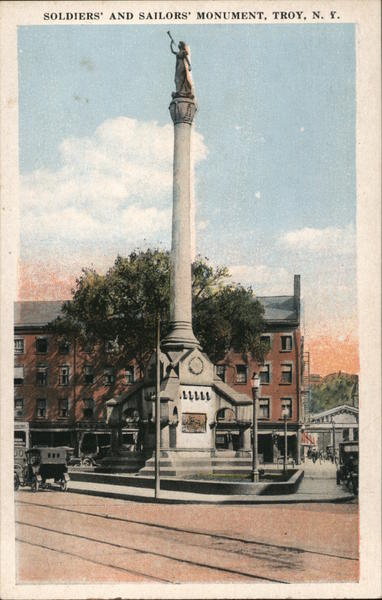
[183, 81]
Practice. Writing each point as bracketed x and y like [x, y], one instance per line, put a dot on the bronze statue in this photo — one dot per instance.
[183, 81]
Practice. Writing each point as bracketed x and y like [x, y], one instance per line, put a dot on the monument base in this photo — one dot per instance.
[184, 463]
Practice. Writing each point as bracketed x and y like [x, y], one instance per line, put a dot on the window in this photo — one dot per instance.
[286, 407]
[64, 347]
[286, 373]
[19, 408]
[286, 343]
[241, 373]
[264, 408]
[89, 374]
[220, 372]
[108, 376]
[42, 375]
[18, 376]
[19, 345]
[345, 435]
[64, 375]
[130, 374]
[88, 408]
[63, 407]
[265, 374]
[41, 408]
[41, 345]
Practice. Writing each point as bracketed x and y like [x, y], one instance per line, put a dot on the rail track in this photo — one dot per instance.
[213, 555]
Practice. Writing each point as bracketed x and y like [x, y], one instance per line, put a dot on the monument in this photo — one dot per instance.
[192, 397]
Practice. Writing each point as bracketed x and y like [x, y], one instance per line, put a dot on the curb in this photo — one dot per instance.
[255, 499]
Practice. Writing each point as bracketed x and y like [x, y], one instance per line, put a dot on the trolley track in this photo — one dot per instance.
[203, 565]
[96, 562]
[214, 536]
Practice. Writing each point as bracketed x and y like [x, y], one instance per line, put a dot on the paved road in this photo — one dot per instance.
[77, 538]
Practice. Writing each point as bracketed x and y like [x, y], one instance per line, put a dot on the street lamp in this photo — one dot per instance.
[285, 416]
[157, 412]
[334, 440]
[255, 384]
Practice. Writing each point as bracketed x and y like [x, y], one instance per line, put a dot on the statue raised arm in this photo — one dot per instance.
[183, 80]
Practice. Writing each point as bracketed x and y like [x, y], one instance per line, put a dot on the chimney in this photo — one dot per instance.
[297, 286]
[297, 294]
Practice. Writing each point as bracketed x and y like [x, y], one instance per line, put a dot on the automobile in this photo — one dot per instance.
[45, 464]
[347, 471]
[93, 447]
[20, 460]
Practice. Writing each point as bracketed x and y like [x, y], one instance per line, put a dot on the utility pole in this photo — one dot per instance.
[285, 417]
[157, 412]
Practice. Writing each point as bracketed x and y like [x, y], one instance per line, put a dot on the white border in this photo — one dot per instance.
[367, 17]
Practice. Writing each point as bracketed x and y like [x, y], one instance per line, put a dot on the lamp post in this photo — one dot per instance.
[157, 412]
[285, 417]
[255, 384]
[334, 440]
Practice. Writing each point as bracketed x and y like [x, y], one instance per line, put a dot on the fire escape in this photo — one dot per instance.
[306, 388]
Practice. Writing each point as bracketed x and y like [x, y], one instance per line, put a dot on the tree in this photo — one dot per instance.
[121, 307]
[336, 389]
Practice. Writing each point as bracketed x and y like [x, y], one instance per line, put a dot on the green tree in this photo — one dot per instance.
[121, 307]
[336, 389]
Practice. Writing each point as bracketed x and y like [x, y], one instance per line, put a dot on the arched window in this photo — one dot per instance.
[225, 414]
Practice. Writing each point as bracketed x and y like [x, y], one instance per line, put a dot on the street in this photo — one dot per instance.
[72, 538]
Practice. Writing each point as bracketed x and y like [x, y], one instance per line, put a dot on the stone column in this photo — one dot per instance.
[182, 110]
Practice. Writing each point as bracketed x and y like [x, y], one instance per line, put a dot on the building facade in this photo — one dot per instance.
[335, 425]
[61, 389]
[281, 377]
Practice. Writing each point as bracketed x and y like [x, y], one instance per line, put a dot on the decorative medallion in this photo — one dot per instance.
[196, 365]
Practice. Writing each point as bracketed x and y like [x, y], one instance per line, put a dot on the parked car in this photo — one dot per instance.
[20, 460]
[43, 465]
[347, 471]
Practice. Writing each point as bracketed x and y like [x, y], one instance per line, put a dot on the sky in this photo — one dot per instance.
[273, 153]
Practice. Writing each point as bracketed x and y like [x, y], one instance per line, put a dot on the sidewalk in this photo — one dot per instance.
[318, 485]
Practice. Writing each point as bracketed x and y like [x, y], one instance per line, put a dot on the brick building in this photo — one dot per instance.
[61, 389]
[280, 376]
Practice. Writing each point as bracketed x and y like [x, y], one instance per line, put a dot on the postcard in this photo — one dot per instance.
[190, 299]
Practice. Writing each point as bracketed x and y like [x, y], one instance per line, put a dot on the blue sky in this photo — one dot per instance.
[274, 152]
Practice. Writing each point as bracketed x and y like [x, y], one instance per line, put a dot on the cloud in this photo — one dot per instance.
[114, 185]
[264, 279]
[328, 241]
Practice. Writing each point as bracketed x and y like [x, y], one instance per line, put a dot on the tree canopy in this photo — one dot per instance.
[120, 307]
[336, 389]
